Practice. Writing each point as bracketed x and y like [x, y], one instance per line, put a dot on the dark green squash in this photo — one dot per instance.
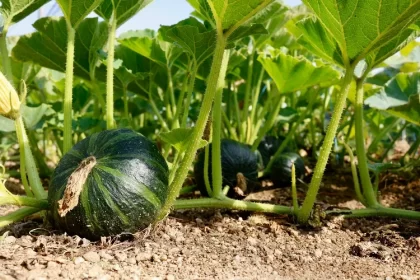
[236, 158]
[281, 171]
[125, 186]
[269, 146]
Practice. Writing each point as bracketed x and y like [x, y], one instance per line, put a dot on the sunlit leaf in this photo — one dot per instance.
[75, 11]
[47, 46]
[124, 9]
[291, 74]
[370, 30]
[16, 10]
[400, 97]
[180, 138]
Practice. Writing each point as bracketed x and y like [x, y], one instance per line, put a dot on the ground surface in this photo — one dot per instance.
[211, 244]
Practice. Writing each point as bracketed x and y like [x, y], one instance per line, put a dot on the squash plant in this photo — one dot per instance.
[183, 86]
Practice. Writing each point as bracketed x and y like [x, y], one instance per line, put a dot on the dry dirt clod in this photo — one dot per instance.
[92, 256]
[79, 260]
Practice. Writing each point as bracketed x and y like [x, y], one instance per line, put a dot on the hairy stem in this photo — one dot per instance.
[216, 156]
[68, 90]
[310, 198]
[7, 66]
[232, 204]
[112, 26]
[188, 159]
[367, 187]
[17, 215]
[30, 164]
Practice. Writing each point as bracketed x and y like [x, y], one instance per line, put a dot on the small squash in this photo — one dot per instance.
[239, 169]
[111, 182]
[281, 171]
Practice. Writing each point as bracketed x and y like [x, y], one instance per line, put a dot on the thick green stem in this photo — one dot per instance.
[216, 156]
[125, 96]
[188, 159]
[355, 175]
[310, 198]
[206, 171]
[68, 90]
[24, 201]
[367, 187]
[33, 174]
[189, 96]
[248, 84]
[7, 66]
[294, 191]
[112, 26]
[17, 215]
[232, 204]
[379, 211]
[22, 168]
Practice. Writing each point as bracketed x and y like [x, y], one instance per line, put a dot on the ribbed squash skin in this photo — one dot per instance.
[236, 157]
[123, 192]
[281, 171]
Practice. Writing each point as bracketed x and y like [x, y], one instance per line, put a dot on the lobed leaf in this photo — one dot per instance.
[75, 11]
[124, 9]
[47, 46]
[371, 30]
[15, 10]
[400, 97]
[291, 74]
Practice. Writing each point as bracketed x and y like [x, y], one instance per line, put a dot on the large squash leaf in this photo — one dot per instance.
[400, 97]
[291, 73]
[75, 11]
[123, 9]
[16, 10]
[350, 31]
[47, 46]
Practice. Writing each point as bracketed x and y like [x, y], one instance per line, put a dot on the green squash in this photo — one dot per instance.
[125, 185]
[236, 158]
[281, 171]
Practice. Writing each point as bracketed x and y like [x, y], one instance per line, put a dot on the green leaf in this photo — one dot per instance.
[75, 11]
[192, 37]
[400, 97]
[124, 9]
[318, 41]
[180, 139]
[228, 12]
[382, 167]
[15, 10]
[145, 45]
[31, 116]
[47, 46]
[273, 19]
[291, 74]
[370, 30]
[245, 31]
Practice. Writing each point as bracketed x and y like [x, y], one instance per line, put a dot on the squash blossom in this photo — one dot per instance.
[9, 99]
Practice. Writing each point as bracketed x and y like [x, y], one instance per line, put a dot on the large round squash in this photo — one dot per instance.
[111, 182]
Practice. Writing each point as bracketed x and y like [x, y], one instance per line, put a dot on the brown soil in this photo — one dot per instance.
[212, 244]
